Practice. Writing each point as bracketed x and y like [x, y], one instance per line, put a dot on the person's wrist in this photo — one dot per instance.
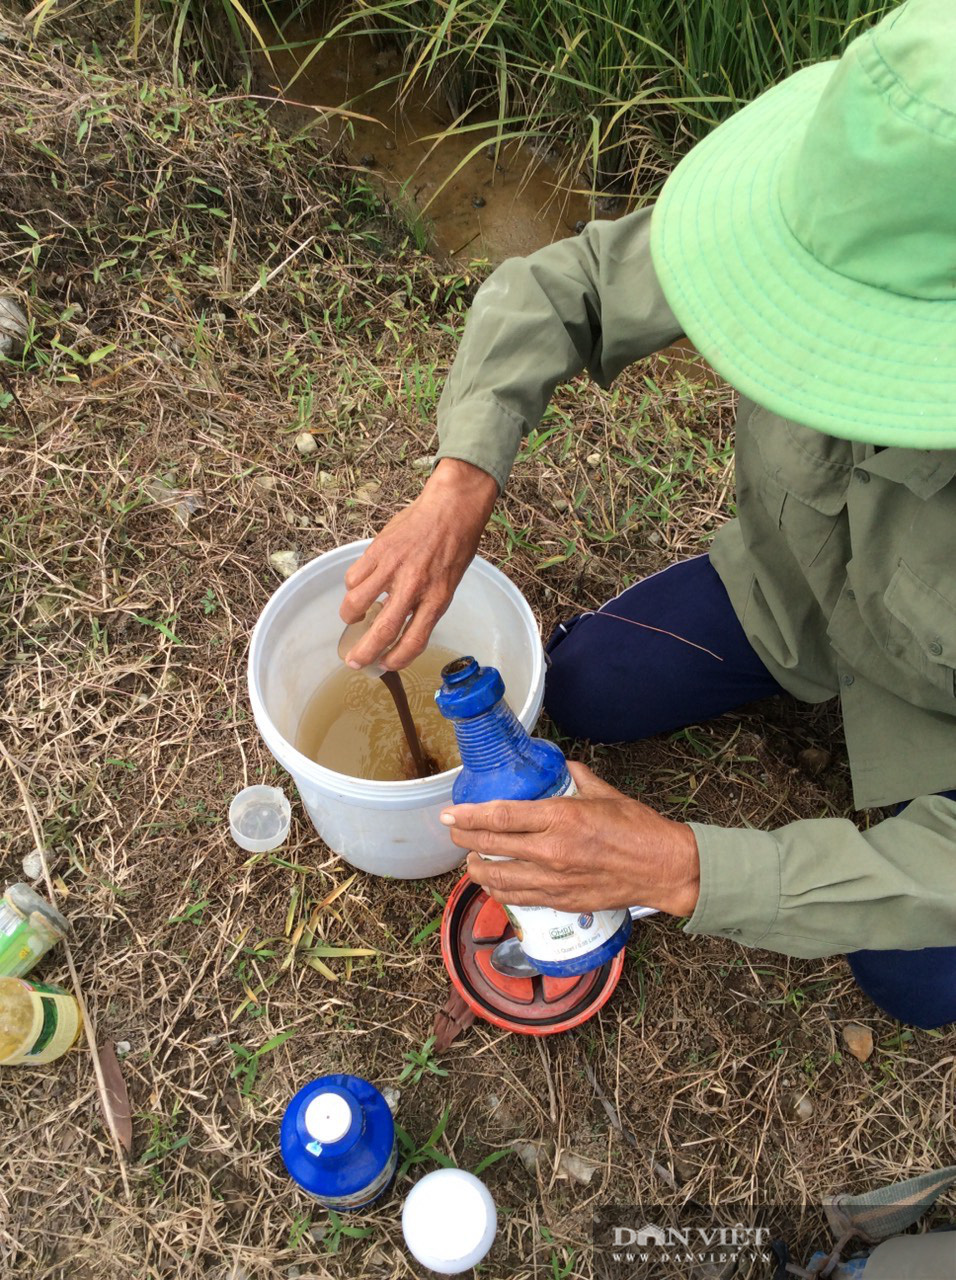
[684, 859]
[464, 479]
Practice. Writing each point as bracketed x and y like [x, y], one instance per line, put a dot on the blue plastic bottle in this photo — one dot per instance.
[500, 761]
[338, 1141]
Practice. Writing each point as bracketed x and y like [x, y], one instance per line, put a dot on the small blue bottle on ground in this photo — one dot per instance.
[500, 761]
[338, 1141]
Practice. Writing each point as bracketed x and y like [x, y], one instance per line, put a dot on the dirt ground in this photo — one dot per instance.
[203, 288]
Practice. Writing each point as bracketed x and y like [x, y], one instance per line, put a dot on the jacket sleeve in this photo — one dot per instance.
[821, 887]
[591, 301]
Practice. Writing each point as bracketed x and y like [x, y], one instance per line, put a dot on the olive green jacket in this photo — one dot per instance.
[841, 566]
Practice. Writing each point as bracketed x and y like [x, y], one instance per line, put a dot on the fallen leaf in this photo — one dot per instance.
[116, 1096]
[859, 1040]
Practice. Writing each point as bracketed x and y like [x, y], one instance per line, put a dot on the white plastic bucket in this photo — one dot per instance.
[387, 828]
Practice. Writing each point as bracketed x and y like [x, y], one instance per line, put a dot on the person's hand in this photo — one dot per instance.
[589, 852]
[418, 560]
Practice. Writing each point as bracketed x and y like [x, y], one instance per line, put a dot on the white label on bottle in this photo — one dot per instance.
[561, 936]
[367, 1193]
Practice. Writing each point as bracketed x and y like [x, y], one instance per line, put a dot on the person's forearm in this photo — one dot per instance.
[820, 887]
[591, 301]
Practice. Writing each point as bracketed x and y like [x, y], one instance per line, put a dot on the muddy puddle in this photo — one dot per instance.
[475, 205]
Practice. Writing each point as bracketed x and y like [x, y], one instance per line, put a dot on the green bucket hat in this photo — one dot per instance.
[808, 245]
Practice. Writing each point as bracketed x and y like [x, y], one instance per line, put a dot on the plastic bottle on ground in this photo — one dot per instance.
[37, 1023]
[338, 1141]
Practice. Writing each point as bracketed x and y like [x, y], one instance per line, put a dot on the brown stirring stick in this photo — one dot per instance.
[392, 680]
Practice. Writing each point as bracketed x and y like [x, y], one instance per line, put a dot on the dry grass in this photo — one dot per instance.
[143, 491]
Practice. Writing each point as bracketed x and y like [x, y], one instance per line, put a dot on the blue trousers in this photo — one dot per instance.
[627, 671]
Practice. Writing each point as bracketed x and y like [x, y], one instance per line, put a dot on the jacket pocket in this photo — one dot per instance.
[805, 481]
[921, 627]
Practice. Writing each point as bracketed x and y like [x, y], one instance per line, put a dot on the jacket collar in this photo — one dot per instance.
[923, 471]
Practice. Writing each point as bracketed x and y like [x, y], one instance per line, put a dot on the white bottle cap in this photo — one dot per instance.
[328, 1118]
[259, 818]
[449, 1221]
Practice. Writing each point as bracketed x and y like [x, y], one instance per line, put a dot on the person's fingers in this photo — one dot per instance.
[415, 637]
[367, 562]
[501, 815]
[587, 782]
[513, 877]
[530, 846]
[383, 632]
[357, 603]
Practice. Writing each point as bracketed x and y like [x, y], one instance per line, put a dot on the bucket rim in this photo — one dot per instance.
[414, 791]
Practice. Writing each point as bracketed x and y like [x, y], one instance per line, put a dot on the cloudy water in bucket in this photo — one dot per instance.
[350, 723]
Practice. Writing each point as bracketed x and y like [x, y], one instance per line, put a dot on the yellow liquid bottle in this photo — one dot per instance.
[37, 1023]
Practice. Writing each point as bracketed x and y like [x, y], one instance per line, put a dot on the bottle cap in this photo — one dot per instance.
[328, 1118]
[467, 689]
[259, 819]
[26, 901]
[449, 1221]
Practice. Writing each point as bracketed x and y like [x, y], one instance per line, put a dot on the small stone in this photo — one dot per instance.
[368, 161]
[367, 492]
[575, 1168]
[392, 1097]
[60, 281]
[293, 1272]
[424, 464]
[33, 865]
[594, 459]
[306, 444]
[285, 563]
[801, 1107]
[478, 202]
[265, 483]
[561, 504]
[14, 326]
[169, 681]
[389, 145]
[654, 538]
[527, 1153]
[859, 1040]
[326, 479]
[122, 1048]
[318, 1233]
[813, 760]
[686, 1171]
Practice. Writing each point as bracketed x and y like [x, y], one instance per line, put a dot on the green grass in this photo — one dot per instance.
[624, 86]
[614, 78]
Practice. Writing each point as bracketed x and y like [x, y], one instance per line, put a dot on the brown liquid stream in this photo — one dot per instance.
[424, 766]
[350, 723]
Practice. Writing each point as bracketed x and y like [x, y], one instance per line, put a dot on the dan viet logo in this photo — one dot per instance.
[628, 1244]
